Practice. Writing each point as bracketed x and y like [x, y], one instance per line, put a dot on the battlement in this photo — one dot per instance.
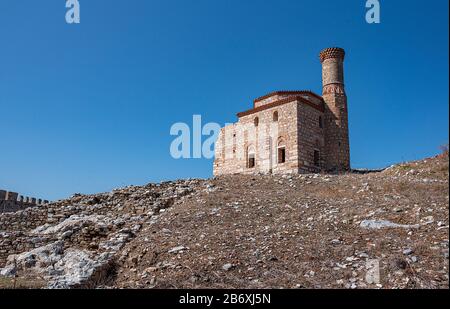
[12, 201]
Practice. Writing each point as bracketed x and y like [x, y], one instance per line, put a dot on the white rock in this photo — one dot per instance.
[373, 271]
[77, 267]
[177, 249]
[70, 224]
[408, 251]
[380, 224]
[227, 267]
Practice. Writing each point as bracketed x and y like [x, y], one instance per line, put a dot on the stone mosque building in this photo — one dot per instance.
[291, 131]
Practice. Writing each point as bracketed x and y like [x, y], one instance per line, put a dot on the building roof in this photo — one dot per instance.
[298, 98]
[288, 92]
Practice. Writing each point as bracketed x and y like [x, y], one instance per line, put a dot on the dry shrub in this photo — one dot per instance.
[444, 149]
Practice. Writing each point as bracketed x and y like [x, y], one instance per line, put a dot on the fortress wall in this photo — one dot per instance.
[12, 201]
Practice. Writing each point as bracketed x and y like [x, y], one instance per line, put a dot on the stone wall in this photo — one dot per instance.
[269, 135]
[15, 227]
[311, 138]
[337, 143]
[12, 201]
[292, 126]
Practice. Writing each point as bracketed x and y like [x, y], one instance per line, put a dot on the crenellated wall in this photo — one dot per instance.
[12, 201]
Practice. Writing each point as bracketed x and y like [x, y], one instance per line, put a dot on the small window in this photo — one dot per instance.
[281, 155]
[320, 122]
[256, 121]
[275, 116]
[316, 158]
[251, 161]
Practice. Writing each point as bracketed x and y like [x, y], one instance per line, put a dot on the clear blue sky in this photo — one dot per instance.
[87, 108]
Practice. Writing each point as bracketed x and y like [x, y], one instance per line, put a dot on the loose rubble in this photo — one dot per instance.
[75, 243]
[386, 229]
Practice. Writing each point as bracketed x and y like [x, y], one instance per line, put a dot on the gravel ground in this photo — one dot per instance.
[385, 229]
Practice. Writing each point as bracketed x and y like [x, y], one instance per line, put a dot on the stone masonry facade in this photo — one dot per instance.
[291, 131]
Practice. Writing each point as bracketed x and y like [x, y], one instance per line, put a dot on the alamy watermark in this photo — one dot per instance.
[202, 141]
[73, 12]
[180, 147]
[373, 14]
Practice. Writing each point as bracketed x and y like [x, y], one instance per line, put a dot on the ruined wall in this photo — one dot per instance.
[15, 227]
[12, 201]
[87, 222]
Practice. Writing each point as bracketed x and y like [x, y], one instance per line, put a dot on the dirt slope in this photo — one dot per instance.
[301, 231]
[377, 230]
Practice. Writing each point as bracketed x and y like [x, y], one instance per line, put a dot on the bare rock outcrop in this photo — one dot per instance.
[73, 243]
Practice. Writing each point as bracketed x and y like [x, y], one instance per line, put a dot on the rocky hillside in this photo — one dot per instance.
[384, 229]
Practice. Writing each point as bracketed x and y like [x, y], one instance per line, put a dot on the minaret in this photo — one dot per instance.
[337, 146]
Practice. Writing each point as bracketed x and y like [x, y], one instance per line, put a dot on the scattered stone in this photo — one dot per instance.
[317, 233]
[166, 231]
[408, 251]
[177, 249]
[227, 267]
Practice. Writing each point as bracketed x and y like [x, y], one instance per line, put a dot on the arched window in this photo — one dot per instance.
[256, 121]
[275, 116]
